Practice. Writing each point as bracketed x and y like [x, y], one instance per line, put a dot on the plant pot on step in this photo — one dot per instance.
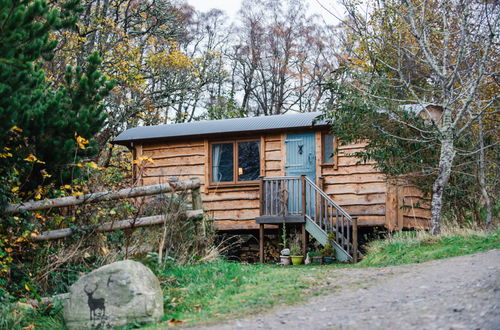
[285, 260]
[297, 260]
[328, 260]
[317, 260]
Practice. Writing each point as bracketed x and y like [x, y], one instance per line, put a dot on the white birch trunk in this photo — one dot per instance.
[447, 155]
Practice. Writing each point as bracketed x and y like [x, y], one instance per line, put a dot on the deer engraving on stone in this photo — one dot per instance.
[96, 305]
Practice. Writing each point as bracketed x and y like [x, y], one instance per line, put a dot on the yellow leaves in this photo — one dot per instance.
[15, 189]
[81, 142]
[173, 58]
[6, 154]
[77, 193]
[140, 160]
[27, 287]
[20, 240]
[44, 174]
[94, 165]
[66, 186]
[32, 159]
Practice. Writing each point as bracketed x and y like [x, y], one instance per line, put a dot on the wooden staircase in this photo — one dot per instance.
[299, 200]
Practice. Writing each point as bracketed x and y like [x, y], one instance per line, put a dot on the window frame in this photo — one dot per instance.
[334, 162]
[235, 181]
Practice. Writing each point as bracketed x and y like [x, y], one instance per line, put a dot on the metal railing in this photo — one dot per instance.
[328, 215]
[299, 195]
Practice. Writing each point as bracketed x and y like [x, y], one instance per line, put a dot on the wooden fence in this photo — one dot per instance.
[191, 184]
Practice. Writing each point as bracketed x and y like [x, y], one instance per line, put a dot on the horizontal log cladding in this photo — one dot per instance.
[356, 186]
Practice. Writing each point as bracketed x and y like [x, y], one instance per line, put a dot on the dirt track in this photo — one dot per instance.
[455, 293]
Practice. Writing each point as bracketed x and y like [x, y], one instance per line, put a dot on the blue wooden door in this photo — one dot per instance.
[300, 160]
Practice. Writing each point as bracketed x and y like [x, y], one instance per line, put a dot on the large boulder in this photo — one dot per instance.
[114, 295]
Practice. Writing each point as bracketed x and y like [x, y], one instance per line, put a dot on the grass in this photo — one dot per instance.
[210, 292]
[416, 247]
[222, 289]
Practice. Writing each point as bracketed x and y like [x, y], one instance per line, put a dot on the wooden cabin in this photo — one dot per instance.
[263, 170]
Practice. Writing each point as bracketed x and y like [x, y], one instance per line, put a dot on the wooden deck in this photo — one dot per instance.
[280, 219]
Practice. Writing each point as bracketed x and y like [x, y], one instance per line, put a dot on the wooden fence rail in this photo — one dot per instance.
[193, 184]
[113, 225]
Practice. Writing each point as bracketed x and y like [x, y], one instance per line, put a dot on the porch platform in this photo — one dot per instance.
[278, 219]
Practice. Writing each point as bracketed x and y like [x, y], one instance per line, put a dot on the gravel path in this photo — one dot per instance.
[455, 293]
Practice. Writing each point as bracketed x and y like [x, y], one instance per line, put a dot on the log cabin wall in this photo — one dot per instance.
[363, 191]
[359, 188]
[232, 207]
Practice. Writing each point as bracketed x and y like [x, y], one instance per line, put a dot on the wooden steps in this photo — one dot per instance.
[300, 200]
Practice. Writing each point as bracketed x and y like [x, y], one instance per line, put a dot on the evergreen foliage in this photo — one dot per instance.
[39, 120]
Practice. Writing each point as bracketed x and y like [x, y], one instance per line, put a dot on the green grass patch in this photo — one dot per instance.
[214, 291]
[222, 289]
[415, 247]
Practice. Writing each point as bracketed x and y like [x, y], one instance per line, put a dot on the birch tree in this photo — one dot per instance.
[422, 52]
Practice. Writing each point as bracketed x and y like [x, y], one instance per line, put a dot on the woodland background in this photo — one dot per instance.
[74, 74]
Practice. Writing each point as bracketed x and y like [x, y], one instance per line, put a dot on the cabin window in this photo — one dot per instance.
[234, 162]
[222, 162]
[328, 148]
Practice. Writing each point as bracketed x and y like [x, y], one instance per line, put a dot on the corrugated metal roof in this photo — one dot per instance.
[211, 127]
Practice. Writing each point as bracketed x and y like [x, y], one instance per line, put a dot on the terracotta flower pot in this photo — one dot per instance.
[297, 260]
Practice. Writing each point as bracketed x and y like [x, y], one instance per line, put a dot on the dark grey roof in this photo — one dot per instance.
[211, 127]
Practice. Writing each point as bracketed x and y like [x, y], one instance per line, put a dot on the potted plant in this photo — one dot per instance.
[285, 253]
[296, 253]
[297, 258]
[316, 257]
[328, 252]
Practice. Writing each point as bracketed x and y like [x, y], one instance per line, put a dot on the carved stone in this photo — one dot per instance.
[114, 295]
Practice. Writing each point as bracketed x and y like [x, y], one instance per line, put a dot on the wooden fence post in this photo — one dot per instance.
[355, 240]
[196, 195]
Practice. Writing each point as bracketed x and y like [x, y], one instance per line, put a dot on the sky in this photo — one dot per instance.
[231, 7]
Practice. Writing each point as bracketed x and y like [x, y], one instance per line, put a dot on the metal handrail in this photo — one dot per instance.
[294, 195]
[324, 195]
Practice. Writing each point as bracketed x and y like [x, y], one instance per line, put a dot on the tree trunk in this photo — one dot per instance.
[482, 177]
[445, 163]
